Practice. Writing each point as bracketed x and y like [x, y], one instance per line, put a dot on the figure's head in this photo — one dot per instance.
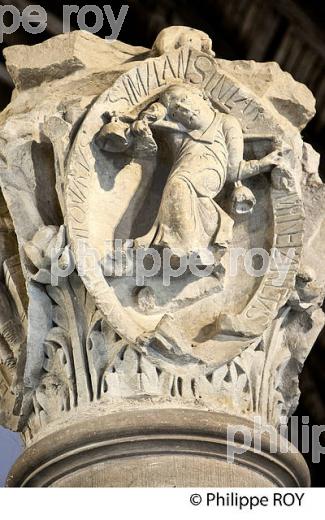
[187, 105]
[176, 37]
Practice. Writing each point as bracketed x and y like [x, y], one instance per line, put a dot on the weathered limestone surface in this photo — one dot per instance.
[194, 157]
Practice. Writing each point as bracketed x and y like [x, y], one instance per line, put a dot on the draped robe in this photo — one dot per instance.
[189, 220]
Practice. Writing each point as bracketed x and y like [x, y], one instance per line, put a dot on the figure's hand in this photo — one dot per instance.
[155, 112]
[280, 153]
[274, 158]
[140, 128]
[279, 157]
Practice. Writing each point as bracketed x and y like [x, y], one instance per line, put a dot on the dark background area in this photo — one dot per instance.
[290, 32]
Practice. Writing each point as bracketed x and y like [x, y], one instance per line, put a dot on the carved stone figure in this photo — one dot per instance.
[208, 151]
[177, 36]
[165, 278]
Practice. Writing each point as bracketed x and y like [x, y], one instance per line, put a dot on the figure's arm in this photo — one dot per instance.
[235, 146]
[238, 168]
[169, 125]
[255, 167]
[144, 125]
[154, 116]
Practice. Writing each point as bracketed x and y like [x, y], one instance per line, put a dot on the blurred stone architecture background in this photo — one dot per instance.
[290, 32]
